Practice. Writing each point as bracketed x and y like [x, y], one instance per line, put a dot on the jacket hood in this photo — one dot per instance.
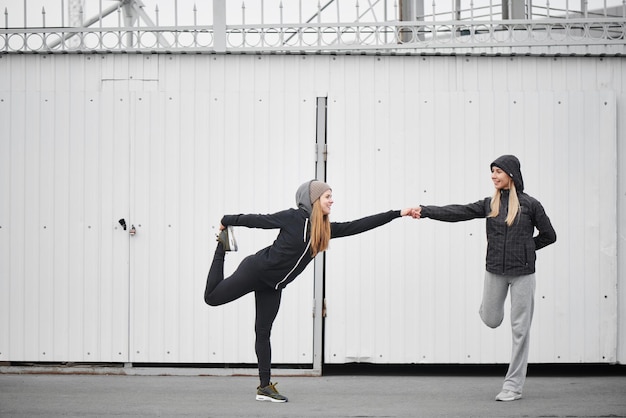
[303, 198]
[511, 165]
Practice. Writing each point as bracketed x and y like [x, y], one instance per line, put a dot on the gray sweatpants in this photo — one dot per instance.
[522, 307]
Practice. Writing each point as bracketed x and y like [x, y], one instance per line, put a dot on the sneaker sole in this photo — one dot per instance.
[232, 243]
[513, 398]
[268, 398]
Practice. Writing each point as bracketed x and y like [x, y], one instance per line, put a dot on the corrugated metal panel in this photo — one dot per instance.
[78, 287]
[410, 291]
[198, 153]
[66, 297]
[172, 142]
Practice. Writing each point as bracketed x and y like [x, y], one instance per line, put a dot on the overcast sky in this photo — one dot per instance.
[293, 11]
[254, 12]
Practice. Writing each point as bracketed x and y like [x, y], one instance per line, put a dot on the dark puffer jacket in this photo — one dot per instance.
[511, 250]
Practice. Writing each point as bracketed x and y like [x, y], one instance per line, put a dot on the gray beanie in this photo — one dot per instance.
[316, 189]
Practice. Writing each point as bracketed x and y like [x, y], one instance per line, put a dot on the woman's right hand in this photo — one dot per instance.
[414, 213]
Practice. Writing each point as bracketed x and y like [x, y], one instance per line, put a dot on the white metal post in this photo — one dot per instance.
[318, 275]
[219, 25]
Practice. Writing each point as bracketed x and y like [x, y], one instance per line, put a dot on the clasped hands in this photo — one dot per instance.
[414, 213]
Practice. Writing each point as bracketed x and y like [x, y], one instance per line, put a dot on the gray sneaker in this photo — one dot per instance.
[227, 238]
[508, 395]
[269, 393]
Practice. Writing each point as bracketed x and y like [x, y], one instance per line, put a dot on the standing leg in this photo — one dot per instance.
[522, 308]
[267, 304]
[494, 295]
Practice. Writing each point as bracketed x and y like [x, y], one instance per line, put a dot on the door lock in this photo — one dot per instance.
[132, 231]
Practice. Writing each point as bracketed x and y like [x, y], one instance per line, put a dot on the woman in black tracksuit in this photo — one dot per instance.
[304, 232]
[512, 217]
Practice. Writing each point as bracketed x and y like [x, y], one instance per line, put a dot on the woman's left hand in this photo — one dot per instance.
[414, 213]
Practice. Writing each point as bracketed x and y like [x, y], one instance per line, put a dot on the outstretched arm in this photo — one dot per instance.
[455, 213]
[344, 229]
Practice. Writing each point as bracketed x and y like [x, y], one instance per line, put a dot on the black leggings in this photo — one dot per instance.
[243, 281]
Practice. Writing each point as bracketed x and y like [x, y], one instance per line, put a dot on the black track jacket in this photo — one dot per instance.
[280, 263]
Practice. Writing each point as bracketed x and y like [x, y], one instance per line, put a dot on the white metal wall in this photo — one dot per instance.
[411, 292]
[169, 143]
[172, 142]
[216, 141]
[64, 274]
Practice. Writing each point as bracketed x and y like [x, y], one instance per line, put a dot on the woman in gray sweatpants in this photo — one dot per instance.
[512, 217]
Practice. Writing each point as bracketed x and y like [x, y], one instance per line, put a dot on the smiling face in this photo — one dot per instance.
[326, 201]
[500, 179]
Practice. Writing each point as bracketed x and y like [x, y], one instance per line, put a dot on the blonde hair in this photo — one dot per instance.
[513, 205]
[320, 229]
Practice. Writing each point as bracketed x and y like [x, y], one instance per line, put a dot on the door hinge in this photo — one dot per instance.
[323, 308]
[321, 152]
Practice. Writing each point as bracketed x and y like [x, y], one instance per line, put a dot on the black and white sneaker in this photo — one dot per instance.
[269, 393]
[227, 238]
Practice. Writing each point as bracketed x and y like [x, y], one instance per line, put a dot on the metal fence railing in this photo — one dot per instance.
[312, 27]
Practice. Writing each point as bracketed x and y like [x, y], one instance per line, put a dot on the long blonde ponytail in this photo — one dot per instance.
[513, 205]
[320, 229]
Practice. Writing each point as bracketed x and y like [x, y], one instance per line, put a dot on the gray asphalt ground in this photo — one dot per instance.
[432, 394]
